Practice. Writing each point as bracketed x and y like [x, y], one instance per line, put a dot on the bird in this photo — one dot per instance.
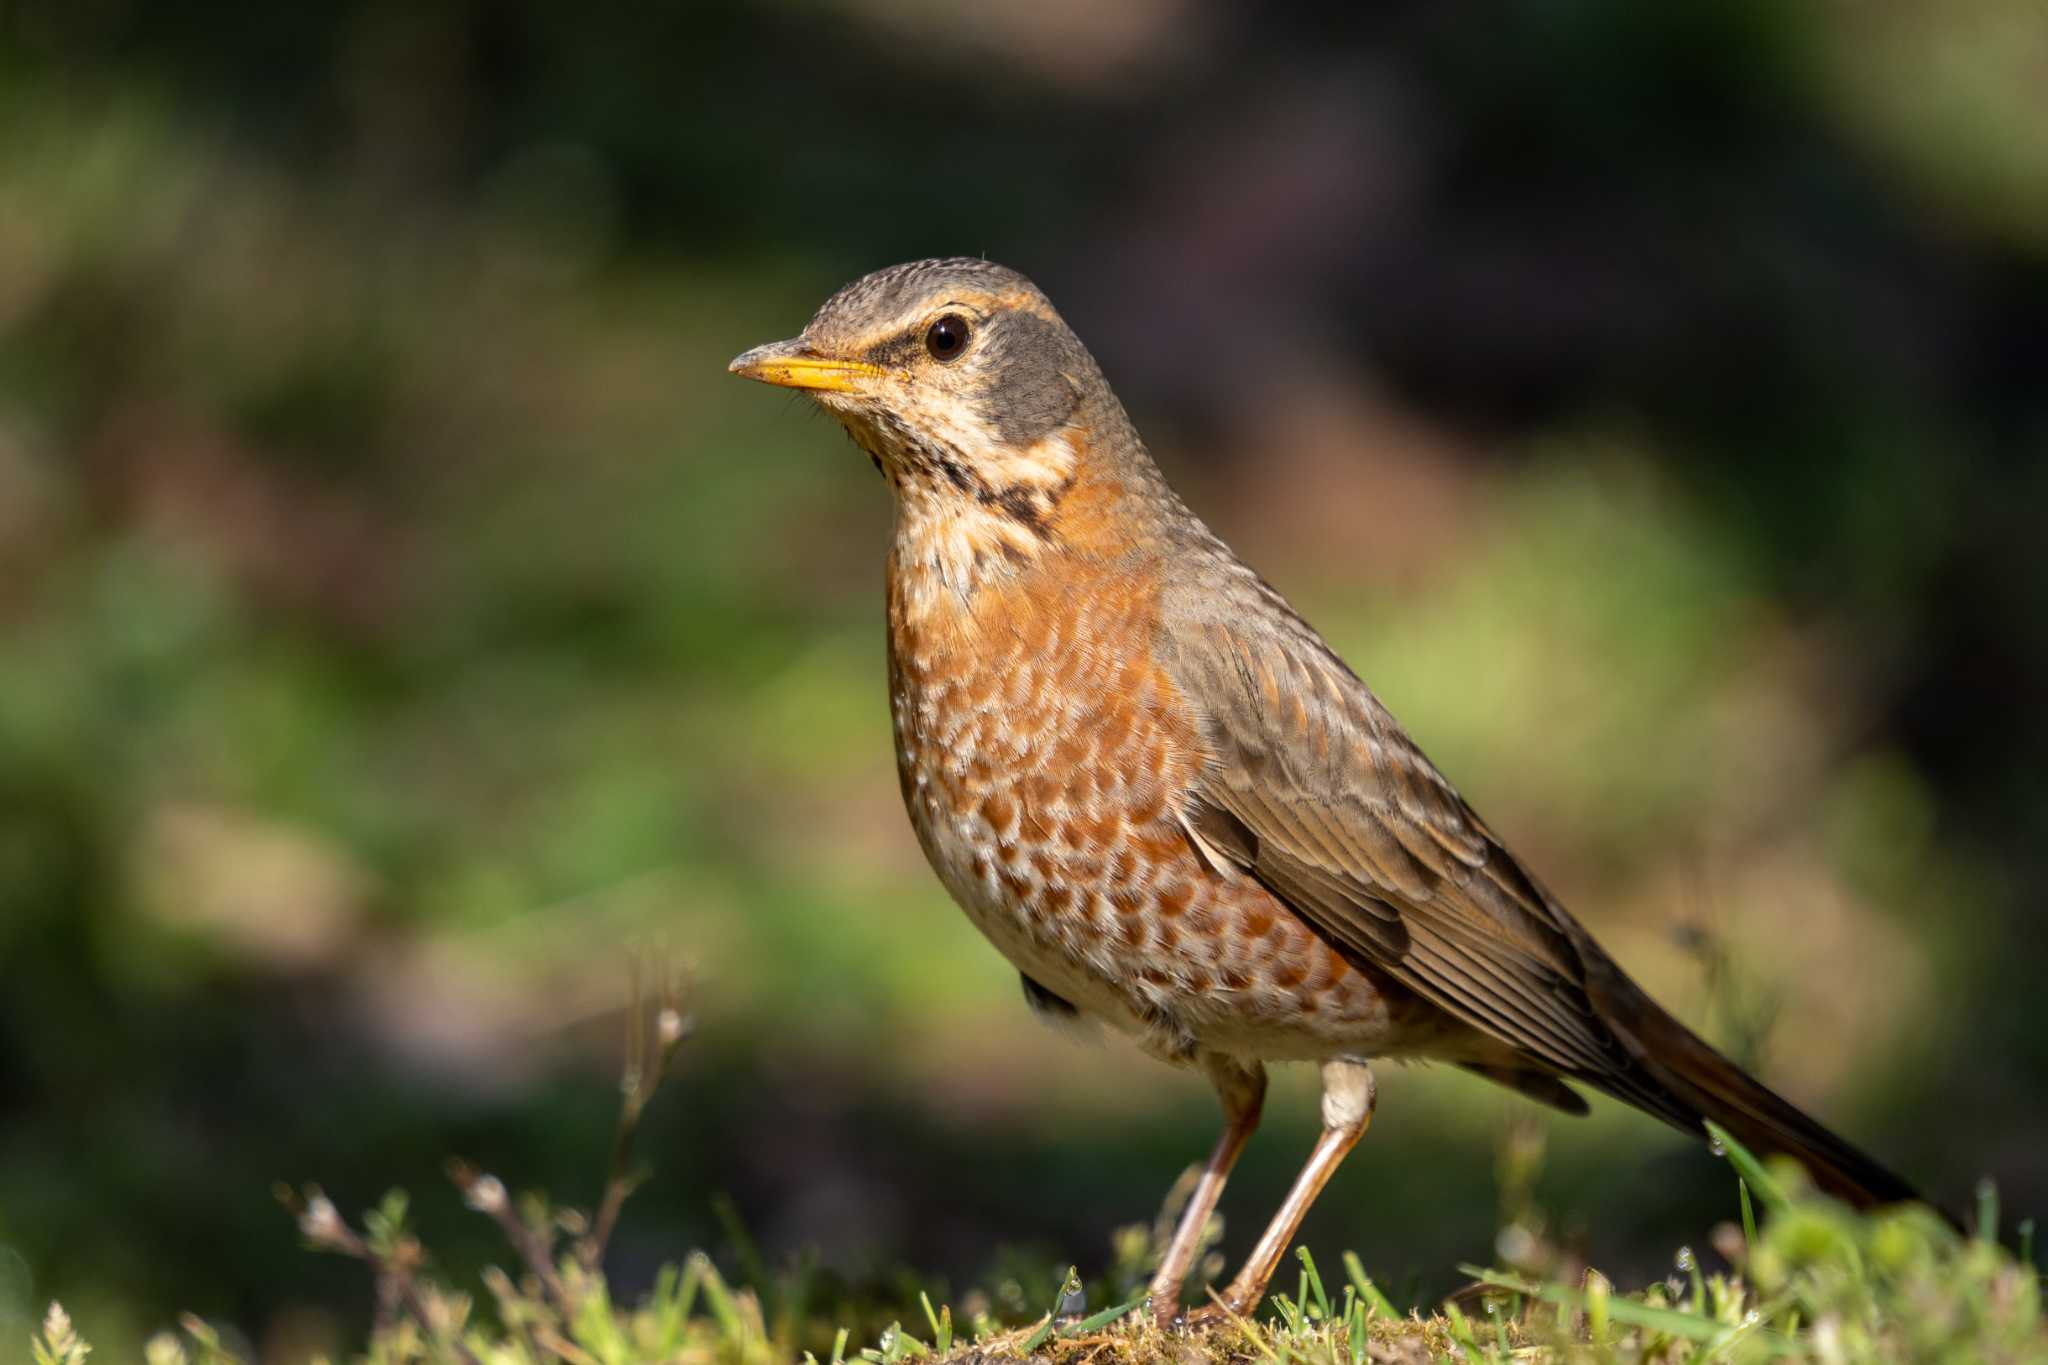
[1165, 799]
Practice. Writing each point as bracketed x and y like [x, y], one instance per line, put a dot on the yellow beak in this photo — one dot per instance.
[786, 363]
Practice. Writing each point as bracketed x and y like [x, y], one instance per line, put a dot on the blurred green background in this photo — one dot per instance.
[402, 612]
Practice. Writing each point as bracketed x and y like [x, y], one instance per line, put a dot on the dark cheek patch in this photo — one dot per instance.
[1030, 396]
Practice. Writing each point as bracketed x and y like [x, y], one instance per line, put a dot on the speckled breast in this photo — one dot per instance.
[1042, 755]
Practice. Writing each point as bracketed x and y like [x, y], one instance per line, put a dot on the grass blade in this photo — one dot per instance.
[1750, 1169]
[1097, 1321]
[1314, 1294]
[942, 1327]
[1665, 1320]
[1987, 1209]
[1375, 1301]
[1039, 1337]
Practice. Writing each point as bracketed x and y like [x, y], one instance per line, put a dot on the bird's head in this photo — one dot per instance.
[957, 378]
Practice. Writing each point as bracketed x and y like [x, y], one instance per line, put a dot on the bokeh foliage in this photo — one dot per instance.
[403, 610]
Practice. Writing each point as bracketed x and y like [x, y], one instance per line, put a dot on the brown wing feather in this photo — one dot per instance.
[1342, 814]
[1314, 788]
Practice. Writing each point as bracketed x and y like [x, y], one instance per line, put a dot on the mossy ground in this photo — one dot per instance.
[1807, 1280]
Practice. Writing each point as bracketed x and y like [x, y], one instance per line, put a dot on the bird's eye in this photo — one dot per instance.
[947, 337]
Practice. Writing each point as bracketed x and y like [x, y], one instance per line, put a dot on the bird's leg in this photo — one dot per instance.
[1348, 1096]
[1242, 1089]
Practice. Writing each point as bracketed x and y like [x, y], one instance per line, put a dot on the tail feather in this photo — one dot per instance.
[1688, 1082]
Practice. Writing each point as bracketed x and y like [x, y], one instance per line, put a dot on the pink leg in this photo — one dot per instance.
[1243, 1092]
[1348, 1097]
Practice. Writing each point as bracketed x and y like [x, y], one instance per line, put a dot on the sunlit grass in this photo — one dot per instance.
[1810, 1281]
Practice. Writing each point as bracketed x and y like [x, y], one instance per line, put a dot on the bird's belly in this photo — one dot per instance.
[1045, 799]
[1161, 947]
[1050, 950]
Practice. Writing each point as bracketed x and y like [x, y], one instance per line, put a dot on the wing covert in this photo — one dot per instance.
[1314, 788]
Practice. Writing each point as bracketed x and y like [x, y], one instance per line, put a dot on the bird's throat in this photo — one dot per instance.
[949, 548]
[965, 523]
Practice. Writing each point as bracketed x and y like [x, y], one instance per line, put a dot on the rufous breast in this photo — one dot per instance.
[1045, 760]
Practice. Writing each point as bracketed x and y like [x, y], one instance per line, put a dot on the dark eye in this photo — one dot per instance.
[947, 337]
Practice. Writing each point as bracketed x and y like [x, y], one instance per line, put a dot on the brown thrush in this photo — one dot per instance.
[1168, 802]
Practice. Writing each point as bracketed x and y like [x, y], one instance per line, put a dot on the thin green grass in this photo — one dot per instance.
[1825, 1285]
[1820, 1283]
[1811, 1281]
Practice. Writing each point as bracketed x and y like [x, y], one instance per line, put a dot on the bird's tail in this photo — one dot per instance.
[1683, 1080]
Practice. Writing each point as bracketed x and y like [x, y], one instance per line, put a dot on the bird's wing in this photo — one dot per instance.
[1313, 787]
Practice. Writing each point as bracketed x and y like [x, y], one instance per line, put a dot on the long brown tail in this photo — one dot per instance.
[1683, 1080]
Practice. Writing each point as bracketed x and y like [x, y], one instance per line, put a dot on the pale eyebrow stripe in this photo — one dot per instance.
[983, 305]
[1019, 300]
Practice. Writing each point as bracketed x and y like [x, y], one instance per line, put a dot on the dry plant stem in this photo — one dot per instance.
[507, 1297]
[486, 1193]
[642, 1078]
[557, 1345]
[409, 1291]
[396, 1284]
[649, 1054]
[534, 1252]
[616, 1191]
[389, 1302]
